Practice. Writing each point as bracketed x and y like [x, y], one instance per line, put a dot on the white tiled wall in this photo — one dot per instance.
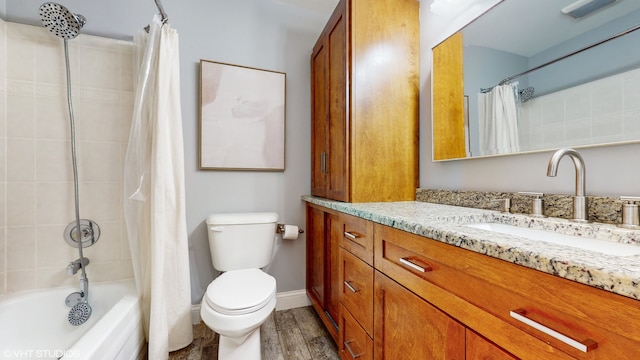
[38, 169]
[599, 112]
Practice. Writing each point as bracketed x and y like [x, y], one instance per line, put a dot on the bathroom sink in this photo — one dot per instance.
[581, 242]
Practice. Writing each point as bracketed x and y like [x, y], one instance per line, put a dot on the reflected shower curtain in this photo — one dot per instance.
[498, 119]
[154, 199]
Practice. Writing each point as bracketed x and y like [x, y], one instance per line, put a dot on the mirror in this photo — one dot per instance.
[526, 77]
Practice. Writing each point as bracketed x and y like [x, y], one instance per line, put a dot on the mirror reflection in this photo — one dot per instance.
[542, 75]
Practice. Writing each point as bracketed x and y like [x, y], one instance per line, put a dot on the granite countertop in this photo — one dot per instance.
[445, 223]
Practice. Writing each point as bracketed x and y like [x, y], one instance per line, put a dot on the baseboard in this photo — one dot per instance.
[284, 301]
[292, 299]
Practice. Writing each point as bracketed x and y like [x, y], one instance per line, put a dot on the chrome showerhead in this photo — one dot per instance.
[60, 21]
[526, 94]
[79, 313]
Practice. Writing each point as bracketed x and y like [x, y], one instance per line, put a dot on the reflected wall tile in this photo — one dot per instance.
[578, 103]
[631, 124]
[606, 96]
[631, 90]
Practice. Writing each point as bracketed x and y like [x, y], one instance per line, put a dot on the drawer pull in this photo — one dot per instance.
[348, 284]
[584, 346]
[350, 235]
[350, 350]
[414, 266]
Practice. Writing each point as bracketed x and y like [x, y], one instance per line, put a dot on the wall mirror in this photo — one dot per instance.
[531, 76]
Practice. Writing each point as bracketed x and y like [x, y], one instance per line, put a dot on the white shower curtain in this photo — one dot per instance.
[154, 199]
[498, 119]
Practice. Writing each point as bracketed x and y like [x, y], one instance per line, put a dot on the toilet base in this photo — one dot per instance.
[236, 349]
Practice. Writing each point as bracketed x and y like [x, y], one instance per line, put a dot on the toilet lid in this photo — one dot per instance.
[239, 292]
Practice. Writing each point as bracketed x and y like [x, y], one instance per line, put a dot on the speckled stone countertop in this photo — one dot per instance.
[446, 223]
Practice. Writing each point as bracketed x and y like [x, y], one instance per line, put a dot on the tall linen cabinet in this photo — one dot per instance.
[364, 100]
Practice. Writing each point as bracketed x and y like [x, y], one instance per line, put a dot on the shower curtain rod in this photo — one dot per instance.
[162, 14]
[508, 80]
[161, 10]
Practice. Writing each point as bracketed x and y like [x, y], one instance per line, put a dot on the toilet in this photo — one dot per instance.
[238, 301]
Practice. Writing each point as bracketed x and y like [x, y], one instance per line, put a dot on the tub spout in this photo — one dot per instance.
[579, 200]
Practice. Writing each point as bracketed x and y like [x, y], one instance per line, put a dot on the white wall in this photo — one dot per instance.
[257, 33]
[611, 170]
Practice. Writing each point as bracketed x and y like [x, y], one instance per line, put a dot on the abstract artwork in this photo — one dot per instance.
[242, 118]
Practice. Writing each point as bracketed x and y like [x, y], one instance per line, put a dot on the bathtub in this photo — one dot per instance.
[33, 325]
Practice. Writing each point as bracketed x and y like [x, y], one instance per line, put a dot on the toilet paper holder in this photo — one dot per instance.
[280, 229]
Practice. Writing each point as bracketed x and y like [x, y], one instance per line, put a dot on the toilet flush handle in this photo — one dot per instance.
[216, 228]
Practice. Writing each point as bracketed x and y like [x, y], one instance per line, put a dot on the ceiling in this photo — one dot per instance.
[539, 21]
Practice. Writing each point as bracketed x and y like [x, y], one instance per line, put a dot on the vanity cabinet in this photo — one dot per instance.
[420, 298]
[364, 102]
[516, 308]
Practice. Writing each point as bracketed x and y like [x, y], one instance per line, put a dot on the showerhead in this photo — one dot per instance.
[526, 94]
[79, 313]
[60, 21]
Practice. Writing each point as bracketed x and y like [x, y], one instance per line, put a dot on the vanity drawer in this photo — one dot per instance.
[527, 312]
[357, 237]
[356, 284]
[355, 343]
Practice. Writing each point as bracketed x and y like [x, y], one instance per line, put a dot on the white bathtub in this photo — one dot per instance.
[34, 325]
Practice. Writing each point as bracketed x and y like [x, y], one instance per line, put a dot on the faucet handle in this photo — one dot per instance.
[630, 217]
[536, 205]
[505, 204]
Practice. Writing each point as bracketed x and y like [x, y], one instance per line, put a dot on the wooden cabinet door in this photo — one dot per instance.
[329, 148]
[319, 118]
[407, 327]
[332, 266]
[316, 255]
[479, 348]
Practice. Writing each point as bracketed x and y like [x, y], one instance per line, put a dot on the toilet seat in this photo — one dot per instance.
[239, 292]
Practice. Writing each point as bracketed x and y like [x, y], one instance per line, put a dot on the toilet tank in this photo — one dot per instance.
[241, 240]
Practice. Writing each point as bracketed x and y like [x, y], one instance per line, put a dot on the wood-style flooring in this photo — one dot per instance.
[294, 334]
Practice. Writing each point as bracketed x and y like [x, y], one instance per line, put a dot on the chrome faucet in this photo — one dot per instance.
[579, 200]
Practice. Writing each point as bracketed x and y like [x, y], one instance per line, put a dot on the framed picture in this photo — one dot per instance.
[242, 118]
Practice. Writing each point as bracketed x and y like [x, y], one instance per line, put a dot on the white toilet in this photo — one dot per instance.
[238, 301]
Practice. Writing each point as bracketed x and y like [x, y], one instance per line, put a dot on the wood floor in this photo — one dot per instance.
[295, 334]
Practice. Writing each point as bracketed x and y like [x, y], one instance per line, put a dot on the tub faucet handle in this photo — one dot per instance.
[630, 217]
